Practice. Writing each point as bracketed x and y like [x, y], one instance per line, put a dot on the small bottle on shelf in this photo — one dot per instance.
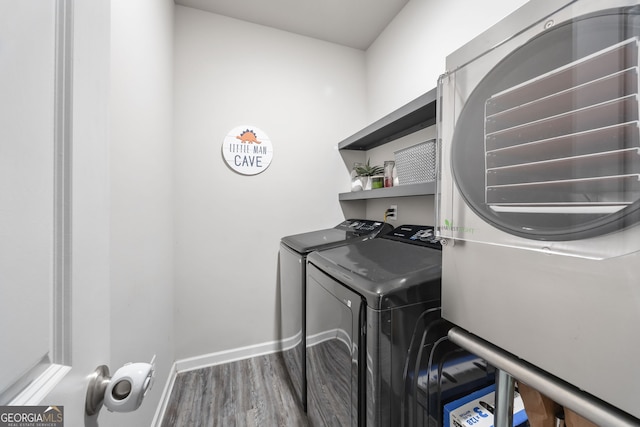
[389, 168]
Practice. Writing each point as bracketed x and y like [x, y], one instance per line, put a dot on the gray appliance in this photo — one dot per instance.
[293, 254]
[539, 193]
[365, 303]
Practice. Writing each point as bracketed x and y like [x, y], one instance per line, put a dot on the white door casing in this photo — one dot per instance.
[89, 343]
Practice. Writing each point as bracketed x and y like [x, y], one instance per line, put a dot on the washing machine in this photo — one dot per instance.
[293, 253]
[366, 304]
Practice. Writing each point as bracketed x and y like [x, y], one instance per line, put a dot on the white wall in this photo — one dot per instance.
[306, 95]
[407, 58]
[141, 255]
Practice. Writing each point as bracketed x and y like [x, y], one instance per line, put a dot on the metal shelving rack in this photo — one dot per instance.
[417, 114]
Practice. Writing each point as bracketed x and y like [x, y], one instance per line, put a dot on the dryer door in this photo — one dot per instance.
[335, 320]
[540, 136]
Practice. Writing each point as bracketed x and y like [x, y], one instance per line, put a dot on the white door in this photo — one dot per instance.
[27, 228]
[54, 283]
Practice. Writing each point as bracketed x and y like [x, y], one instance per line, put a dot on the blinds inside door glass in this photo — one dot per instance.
[568, 140]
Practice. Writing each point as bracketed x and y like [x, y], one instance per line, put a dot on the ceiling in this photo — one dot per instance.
[353, 23]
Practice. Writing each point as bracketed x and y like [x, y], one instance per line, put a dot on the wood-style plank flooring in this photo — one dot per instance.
[251, 392]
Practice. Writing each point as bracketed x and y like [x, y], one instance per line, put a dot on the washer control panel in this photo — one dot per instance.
[422, 235]
[361, 227]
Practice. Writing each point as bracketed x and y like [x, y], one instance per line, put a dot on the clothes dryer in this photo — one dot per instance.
[293, 253]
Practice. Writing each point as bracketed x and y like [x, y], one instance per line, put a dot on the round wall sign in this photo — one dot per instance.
[247, 150]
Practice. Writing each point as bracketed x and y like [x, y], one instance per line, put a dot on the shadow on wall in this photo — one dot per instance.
[278, 308]
[91, 420]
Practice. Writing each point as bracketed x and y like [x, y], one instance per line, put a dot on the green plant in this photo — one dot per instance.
[368, 170]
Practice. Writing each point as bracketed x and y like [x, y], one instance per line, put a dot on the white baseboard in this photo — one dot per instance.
[331, 334]
[218, 358]
[289, 343]
[39, 388]
[226, 356]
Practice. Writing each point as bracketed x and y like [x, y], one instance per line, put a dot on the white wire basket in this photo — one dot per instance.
[417, 163]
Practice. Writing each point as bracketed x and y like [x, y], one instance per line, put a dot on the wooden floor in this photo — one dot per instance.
[252, 392]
